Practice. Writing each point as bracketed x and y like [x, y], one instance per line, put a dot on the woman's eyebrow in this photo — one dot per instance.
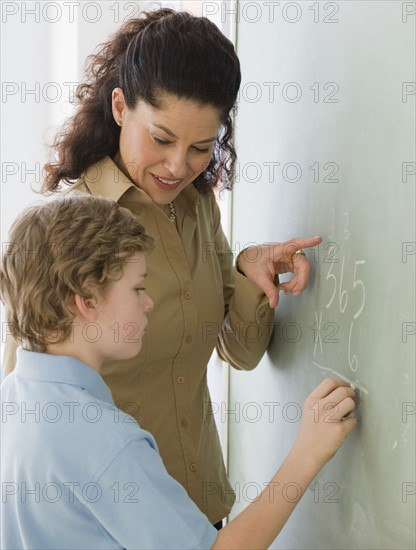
[170, 133]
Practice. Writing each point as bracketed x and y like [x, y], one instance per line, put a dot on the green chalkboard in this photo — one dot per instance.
[326, 142]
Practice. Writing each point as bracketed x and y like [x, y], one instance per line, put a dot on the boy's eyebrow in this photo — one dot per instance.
[170, 133]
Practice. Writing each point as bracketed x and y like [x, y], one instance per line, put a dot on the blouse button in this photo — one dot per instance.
[180, 380]
[187, 294]
[262, 315]
[193, 467]
[188, 339]
[184, 423]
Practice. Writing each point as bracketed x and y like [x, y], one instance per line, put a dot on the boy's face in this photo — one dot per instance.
[122, 313]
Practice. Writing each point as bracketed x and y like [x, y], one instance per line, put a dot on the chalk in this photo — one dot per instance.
[355, 384]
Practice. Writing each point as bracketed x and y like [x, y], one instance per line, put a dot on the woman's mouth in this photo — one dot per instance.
[166, 183]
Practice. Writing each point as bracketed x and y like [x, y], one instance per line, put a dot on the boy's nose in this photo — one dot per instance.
[149, 304]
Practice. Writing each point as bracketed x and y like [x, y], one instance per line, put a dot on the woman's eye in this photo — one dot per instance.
[160, 141]
[139, 289]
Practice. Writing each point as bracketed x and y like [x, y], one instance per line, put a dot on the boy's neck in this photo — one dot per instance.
[77, 351]
[78, 346]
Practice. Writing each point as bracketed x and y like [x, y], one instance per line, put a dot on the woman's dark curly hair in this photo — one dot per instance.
[160, 52]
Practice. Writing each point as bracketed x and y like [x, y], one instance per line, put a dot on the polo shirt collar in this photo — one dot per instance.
[61, 369]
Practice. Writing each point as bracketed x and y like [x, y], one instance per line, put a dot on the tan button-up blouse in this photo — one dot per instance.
[201, 302]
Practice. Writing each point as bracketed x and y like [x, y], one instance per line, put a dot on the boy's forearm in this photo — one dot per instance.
[260, 523]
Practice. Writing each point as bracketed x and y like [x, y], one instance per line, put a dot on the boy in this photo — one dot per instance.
[76, 471]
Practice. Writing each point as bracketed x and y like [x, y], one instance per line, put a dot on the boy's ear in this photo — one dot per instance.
[86, 307]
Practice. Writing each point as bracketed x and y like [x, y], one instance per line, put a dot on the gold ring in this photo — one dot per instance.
[300, 251]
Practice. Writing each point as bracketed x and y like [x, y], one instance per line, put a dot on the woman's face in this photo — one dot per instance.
[163, 150]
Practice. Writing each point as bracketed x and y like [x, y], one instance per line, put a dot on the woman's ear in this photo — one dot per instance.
[118, 105]
[86, 307]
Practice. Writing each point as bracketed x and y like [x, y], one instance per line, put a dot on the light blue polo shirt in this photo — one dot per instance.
[77, 472]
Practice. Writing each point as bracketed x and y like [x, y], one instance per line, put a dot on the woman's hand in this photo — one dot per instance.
[260, 264]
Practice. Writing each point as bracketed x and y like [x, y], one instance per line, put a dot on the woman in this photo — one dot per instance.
[153, 131]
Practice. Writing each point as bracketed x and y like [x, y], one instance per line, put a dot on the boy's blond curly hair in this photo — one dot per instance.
[72, 245]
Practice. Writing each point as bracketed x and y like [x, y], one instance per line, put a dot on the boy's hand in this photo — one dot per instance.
[321, 432]
[324, 425]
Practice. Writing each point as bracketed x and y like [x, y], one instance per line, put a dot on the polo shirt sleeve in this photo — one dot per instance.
[142, 506]
[248, 320]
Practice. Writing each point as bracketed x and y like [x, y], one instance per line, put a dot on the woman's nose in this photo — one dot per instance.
[176, 163]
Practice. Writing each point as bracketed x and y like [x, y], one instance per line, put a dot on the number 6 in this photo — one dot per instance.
[358, 282]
